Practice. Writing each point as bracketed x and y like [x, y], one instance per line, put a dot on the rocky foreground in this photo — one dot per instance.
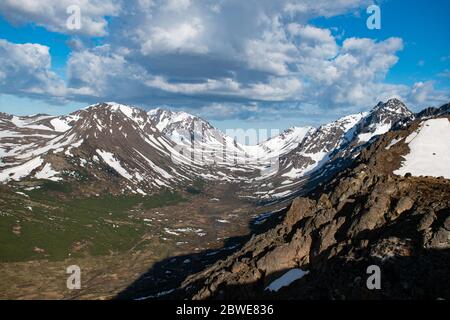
[365, 216]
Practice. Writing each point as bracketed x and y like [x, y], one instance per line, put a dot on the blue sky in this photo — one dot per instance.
[424, 28]
[252, 64]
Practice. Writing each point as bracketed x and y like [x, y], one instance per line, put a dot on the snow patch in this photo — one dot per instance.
[59, 125]
[286, 279]
[111, 161]
[429, 150]
[21, 171]
[47, 173]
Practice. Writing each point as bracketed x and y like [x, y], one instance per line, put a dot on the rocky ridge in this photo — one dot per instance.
[365, 216]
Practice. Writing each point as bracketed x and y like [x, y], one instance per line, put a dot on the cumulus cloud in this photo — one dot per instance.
[103, 73]
[425, 93]
[53, 15]
[25, 69]
[179, 37]
[355, 75]
[236, 57]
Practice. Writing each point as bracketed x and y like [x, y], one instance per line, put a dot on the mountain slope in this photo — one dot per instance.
[430, 112]
[367, 215]
[197, 136]
[113, 146]
[331, 147]
[209, 145]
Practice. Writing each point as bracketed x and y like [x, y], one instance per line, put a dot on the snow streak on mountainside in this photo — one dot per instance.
[287, 140]
[238, 152]
[104, 142]
[194, 135]
[19, 134]
[122, 149]
[215, 147]
[329, 148]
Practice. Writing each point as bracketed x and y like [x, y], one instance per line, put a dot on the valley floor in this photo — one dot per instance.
[126, 247]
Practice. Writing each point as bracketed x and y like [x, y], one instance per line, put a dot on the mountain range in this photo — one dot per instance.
[120, 149]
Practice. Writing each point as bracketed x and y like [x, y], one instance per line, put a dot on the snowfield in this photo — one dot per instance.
[378, 130]
[286, 279]
[429, 150]
[21, 171]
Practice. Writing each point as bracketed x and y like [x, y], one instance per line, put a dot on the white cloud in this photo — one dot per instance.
[52, 14]
[210, 52]
[424, 93]
[180, 37]
[272, 52]
[177, 5]
[355, 75]
[276, 89]
[103, 73]
[313, 42]
[25, 69]
[224, 86]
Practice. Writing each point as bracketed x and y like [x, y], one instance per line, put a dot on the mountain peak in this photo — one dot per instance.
[392, 105]
[168, 120]
[114, 106]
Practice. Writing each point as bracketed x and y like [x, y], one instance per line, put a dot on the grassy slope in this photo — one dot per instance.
[66, 227]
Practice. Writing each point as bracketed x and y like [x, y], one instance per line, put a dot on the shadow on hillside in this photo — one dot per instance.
[166, 275]
[417, 274]
[421, 277]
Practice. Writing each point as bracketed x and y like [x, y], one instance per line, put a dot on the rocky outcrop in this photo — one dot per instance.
[365, 216]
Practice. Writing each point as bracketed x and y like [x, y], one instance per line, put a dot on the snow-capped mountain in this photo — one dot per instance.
[345, 134]
[330, 147]
[382, 118]
[215, 147]
[434, 112]
[120, 149]
[287, 140]
[206, 144]
[311, 154]
[19, 134]
[104, 142]
[318, 144]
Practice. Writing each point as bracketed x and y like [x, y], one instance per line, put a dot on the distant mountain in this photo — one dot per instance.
[116, 148]
[196, 133]
[287, 140]
[120, 149]
[434, 112]
[331, 147]
[206, 144]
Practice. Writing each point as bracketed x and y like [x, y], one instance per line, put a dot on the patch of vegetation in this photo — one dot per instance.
[44, 227]
[197, 186]
[165, 198]
[47, 185]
